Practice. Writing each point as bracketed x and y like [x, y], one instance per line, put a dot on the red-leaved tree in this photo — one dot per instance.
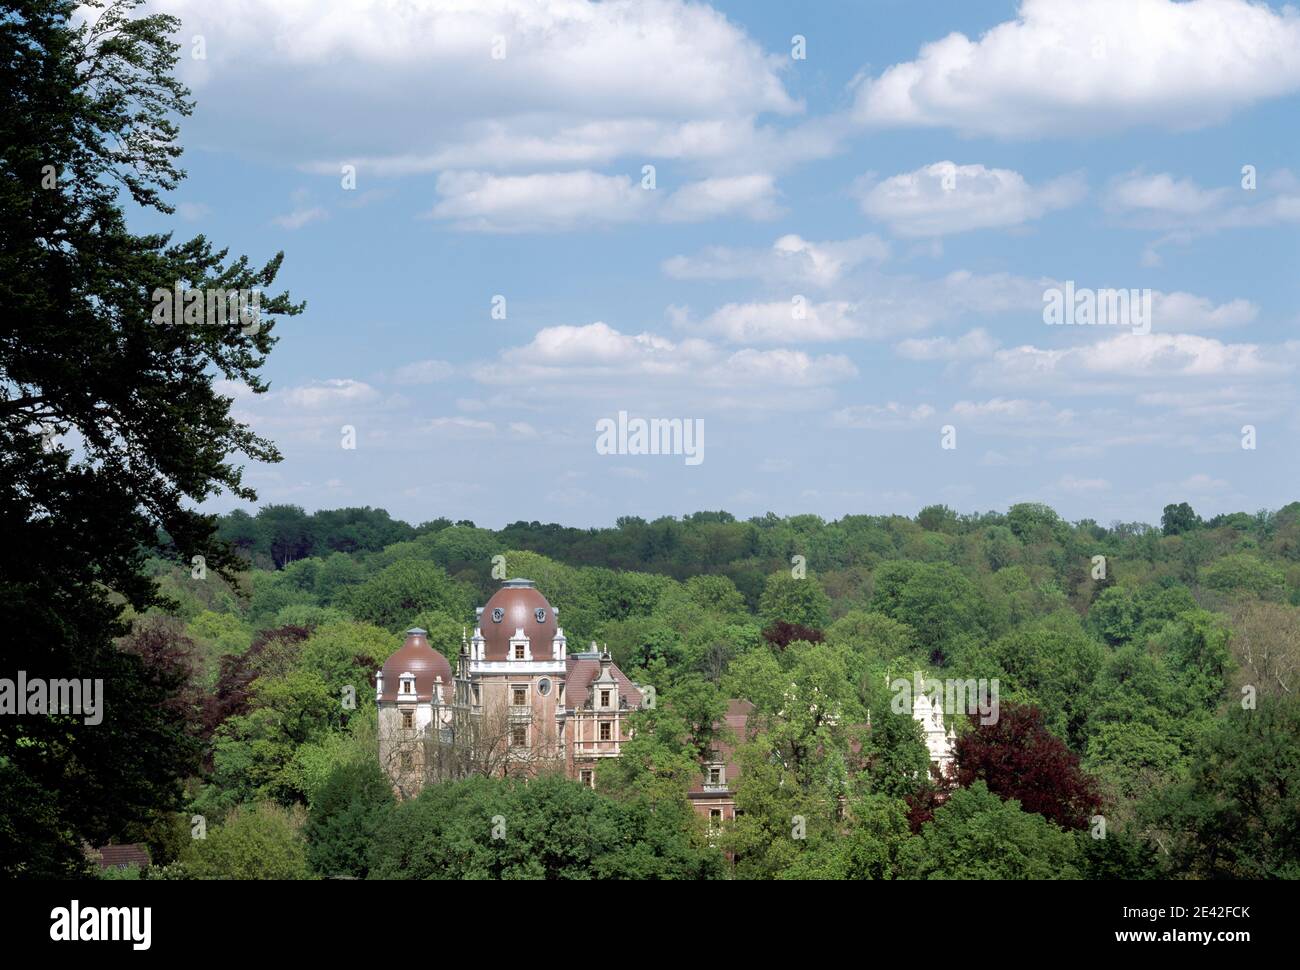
[1017, 757]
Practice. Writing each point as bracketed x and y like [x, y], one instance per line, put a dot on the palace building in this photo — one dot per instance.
[519, 703]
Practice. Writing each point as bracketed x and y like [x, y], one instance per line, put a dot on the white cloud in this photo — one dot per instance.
[1183, 210]
[1098, 367]
[1076, 67]
[300, 217]
[557, 201]
[578, 83]
[598, 352]
[976, 343]
[330, 393]
[791, 258]
[945, 198]
[892, 416]
[783, 321]
[1187, 312]
[751, 196]
[423, 372]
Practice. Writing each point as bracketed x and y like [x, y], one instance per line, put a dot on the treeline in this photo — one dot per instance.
[1148, 723]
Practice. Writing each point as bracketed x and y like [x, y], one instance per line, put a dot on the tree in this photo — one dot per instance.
[1237, 816]
[1178, 519]
[262, 841]
[798, 601]
[1019, 759]
[396, 594]
[977, 835]
[88, 120]
[345, 817]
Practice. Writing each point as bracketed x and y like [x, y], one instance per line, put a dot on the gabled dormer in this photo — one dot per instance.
[521, 647]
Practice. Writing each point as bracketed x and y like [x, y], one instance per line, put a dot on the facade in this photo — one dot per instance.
[938, 741]
[519, 703]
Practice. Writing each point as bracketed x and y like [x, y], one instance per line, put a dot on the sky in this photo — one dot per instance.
[827, 232]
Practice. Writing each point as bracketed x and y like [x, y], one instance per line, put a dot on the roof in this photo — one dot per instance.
[581, 669]
[416, 657]
[737, 719]
[120, 856]
[517, 606]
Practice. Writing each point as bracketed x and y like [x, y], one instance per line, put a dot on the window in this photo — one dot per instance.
[588, 778]
[408, 761]
[715, 817]
[605, 731]
[408, 720]
[715, 776]
[477, 698]
[519, 696]
[544, 686]
[604, 698]
[519, 651]
[519, 735]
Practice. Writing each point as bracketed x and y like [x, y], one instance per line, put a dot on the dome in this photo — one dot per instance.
[418, 658]
[517, 606]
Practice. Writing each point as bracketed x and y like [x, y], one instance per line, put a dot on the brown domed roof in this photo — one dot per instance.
[417, 657]
[519, 603]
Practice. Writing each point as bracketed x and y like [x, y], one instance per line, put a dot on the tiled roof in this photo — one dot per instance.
[581, 669]
[119, 856]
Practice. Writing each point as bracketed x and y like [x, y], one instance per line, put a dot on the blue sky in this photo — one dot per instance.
[919, 179]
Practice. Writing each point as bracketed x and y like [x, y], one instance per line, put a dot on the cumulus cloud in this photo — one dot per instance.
[598, 352]
[574, 83]
[1111, 364]
[1183, 210]
[892, 416]
[945, 198]
[423, 372]
[1068, 67]
[300, 217]
[791, 258]
[330, 393]
[559, 201]
[976, 343]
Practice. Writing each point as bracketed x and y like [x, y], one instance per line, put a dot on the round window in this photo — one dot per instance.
[498, 614]
[544, 686]
[540, 614]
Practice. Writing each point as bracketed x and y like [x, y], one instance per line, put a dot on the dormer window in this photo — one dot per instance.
[406, 684]
[519, 651]
[604, 698]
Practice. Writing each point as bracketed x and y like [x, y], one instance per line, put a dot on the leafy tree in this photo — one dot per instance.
[395, 595]
[1019, 759]
[262, 841]
[89, 119]
[977, 835]
[1179, 519]
[1237, 816]
[799, 601]
[1242, 573]
[345, 818]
